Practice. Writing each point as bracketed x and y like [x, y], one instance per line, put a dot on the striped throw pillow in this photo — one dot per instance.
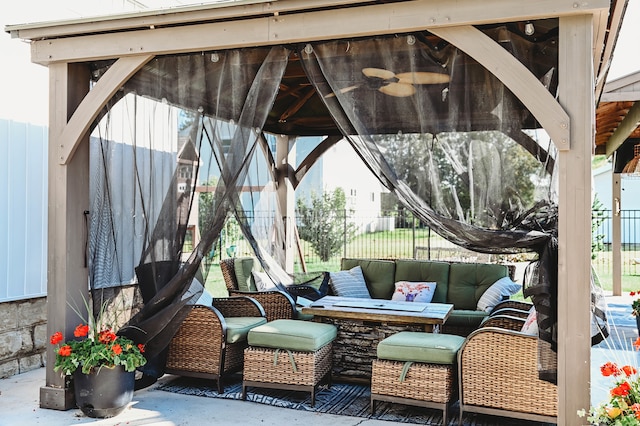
[349, 283]
[500, 290]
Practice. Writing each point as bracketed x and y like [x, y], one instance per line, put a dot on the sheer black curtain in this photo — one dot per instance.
[435, 128]
[216, 104]
[455, 146]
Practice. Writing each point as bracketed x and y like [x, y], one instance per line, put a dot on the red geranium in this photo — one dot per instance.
[117, 349]
[65, 350]
[81, 330]
[621, 390]
[629, 370]
[609, 369]
[107, 336]
[56, 338]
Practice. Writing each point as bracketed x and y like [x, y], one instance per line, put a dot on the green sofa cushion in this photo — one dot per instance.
[466, 318]
[294, 335]
[238, 327]
[430, 271]
[420, 347]
[243, 267]
[379, 275]
[468, 281]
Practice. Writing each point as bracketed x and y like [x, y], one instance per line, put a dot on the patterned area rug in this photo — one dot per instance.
[342, 399]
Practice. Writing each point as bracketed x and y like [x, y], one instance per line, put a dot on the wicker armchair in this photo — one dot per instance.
[211, 340]
[277, 304]
[498, 375]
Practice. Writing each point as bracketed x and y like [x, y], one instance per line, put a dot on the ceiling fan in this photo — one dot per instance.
[399, 85]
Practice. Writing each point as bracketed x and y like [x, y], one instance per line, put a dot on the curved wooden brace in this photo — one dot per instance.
[515, 76]
[90, 107]
[313, 156]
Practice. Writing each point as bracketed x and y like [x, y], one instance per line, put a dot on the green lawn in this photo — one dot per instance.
[400, 244]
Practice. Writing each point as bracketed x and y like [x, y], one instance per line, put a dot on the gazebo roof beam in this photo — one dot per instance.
[108, 38]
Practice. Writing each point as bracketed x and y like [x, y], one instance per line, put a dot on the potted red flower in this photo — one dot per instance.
[102, 364]
[623, 406]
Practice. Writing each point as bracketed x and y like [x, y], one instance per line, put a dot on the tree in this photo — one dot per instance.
[483, 177]
[322, 222]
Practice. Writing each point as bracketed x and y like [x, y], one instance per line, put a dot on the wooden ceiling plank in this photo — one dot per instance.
[626, 127]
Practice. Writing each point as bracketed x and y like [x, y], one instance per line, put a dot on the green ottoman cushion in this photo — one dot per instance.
[420, 347]
[303, 336]
[238, 327]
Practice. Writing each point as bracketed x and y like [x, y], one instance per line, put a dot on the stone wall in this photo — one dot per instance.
[23, 335]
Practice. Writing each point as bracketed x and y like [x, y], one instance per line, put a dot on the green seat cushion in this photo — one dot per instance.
[378, 274]
[238, 327]
[469, 281]
[420, 347]
[304, 336]
[425, 271]
[242, 267]
[466, 318]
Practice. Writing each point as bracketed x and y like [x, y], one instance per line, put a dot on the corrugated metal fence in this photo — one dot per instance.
[23, 210]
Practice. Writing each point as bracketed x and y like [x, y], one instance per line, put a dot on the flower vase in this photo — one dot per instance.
[104, 392]
[638, 324]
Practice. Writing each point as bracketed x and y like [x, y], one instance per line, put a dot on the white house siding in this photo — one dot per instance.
[155, 143]
[629, 203]
[23, 210]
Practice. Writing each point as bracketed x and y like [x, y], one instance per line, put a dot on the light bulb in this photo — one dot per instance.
[529, 29]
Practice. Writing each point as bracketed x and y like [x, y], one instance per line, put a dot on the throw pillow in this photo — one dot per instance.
[262, 280]
[410, 291]
[530, 325]
[349, 283]
[500, 290]
[243, 267]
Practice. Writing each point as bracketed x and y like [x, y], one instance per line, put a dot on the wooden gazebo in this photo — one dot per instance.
[587, 36]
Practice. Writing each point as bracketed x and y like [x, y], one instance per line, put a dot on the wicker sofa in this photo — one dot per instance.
[458, 283]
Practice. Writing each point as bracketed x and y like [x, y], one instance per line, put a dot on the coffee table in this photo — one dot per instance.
[363, 323]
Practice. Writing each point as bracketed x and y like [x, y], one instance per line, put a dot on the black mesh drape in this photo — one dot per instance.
[474, 183]
[189, 142]
[151, 161]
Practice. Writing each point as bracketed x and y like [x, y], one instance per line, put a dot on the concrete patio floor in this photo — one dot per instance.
[19, 397]
[19, 406]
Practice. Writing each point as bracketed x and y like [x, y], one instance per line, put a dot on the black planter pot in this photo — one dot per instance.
[105, 392]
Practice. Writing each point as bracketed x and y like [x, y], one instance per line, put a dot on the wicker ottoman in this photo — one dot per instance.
[289, 354]
[416, 368]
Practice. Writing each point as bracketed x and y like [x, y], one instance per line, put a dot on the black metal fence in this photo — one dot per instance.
[602, 241]
[390, 235]
[400, 235]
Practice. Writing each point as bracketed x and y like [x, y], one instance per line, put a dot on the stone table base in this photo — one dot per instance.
[356, 346]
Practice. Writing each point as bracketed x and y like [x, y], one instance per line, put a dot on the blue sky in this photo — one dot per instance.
[24, 86]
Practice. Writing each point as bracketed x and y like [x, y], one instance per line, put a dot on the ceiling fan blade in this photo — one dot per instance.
[343, 90]
[399, 90]
[422, 77]
[378, 73]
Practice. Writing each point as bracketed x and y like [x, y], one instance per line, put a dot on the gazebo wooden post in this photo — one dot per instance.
[616, 233]
[285, 155]
[67, 273]
[574, 219]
